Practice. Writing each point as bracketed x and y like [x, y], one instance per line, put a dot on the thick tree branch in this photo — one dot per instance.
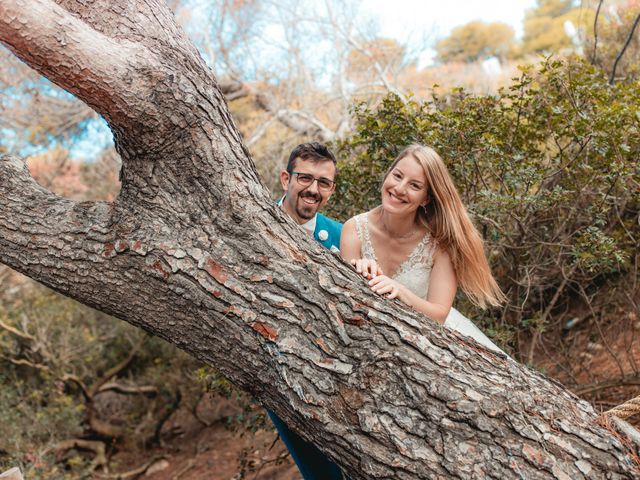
[36, 226]
[55, 43]
[147, 81]
[194, 251]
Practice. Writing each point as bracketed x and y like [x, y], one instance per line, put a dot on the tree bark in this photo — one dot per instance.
[194, 251]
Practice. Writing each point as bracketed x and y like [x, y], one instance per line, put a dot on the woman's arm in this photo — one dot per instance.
[349, 242]
[351, 251]
[442, 289]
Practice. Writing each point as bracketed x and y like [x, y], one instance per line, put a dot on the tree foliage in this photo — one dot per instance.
[548, 168]
[476, 41]
[544, 26]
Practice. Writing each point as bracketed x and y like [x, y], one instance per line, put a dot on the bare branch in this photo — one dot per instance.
[296, 120]
[259, 132]
[134, 473]
[113, 371]
[26, 363]
[612, 78]
[147, 390]
[377, 67]
[67, 377]
[233, 89]
[99, 448]
[624, 381]
[595, 33]
[16, 332]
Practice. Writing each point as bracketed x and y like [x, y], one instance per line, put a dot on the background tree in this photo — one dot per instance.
[544, 26]
[293, 69]
[477, 41]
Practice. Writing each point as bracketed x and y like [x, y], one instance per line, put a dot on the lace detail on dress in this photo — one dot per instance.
[415, 271]
[414, 274]
[362, 229]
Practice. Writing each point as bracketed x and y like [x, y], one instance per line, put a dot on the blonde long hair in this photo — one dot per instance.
[450, 225]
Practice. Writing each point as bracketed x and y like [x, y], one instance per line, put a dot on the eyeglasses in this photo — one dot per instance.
[306, 179]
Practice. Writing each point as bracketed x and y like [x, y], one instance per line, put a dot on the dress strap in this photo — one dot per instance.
[362, 229]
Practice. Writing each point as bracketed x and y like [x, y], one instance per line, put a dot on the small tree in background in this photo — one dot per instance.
[476, 41]
[544, 26]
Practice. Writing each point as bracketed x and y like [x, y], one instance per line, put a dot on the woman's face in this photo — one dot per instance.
[405, 188]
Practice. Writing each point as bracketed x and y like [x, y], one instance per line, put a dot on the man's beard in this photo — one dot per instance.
[307, 211]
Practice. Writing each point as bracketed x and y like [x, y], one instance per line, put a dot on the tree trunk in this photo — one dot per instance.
[194, 251]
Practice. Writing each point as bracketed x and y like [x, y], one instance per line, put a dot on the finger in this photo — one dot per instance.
[379, 285]
[375, 281]
[353, 262]
[384, 289]
[365, 268]
[393, 294]
[359, 266]
[379, 272]
[373, 268]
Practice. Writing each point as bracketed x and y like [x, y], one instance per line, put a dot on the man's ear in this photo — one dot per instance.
[284, 179]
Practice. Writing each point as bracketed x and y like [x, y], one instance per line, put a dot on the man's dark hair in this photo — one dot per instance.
[314, 151]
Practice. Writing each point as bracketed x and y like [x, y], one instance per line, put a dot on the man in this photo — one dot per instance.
[308, 183]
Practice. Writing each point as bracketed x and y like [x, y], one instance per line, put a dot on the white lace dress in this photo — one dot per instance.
[414, 274]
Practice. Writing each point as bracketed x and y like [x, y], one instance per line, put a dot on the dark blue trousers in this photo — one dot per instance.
[312, 463]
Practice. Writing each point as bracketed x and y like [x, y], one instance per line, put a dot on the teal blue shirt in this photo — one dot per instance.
[327, 232]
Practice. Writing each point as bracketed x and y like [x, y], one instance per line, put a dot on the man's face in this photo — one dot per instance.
[302, 202]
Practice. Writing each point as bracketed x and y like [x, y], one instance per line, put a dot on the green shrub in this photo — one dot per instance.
[50, 344]
[548, 169]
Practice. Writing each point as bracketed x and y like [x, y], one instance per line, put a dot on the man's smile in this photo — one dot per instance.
[310, 199]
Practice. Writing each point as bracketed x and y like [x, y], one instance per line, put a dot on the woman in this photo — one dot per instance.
[420, 243]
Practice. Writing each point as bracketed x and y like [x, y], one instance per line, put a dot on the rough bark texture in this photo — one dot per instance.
[194, 251]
